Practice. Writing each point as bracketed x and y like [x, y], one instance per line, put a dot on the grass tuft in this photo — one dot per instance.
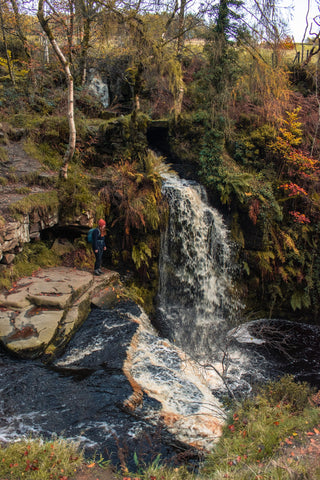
[47, 201]
[3, 155]
[44, 153]
[36, 459]
[33, 256]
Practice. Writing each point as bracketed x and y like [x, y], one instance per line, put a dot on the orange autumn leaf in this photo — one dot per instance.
[288, 441]
[316, 431]
[91, 465]
[310, 433]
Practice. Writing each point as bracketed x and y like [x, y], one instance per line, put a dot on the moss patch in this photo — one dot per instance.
[48, 202]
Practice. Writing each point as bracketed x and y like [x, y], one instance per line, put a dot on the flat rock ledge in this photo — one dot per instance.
[40, 313]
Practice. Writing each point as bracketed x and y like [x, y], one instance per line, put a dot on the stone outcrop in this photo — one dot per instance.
[167, 387]
[40, 313]
[157, 369]
[29, 202]
[15, 233]
[99, 88]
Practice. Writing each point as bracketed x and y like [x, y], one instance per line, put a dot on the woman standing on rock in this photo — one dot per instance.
[99, 245]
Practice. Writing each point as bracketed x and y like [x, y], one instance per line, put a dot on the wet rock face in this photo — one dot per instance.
[166, 386]
[160, 385]
[99, 88]
[279, 347]
[102, 343]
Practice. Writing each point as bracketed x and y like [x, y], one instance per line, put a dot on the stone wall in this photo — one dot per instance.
[15, 233]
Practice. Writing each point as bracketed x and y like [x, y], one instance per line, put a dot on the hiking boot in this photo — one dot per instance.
[96, 272]
[100, 271]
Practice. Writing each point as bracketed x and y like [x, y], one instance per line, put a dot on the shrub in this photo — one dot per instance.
[81, 256]
[23, 190]
[287, 392]
[75, 195]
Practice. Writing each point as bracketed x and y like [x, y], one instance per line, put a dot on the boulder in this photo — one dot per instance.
[61, 246]
[40, 312]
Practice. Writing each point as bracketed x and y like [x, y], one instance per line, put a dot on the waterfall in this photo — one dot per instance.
[196, 305]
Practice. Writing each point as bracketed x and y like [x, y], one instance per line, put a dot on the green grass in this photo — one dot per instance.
[35, 459]
[258, 428]
[3, 155]
[161, 472]
[47, 201]
[23, 190]
[44, 153]
[33, 256]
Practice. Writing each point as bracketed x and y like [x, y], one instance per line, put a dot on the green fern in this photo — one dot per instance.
[141, 255]
[300, 299]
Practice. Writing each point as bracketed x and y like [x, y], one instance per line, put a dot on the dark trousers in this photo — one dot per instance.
[98, 256]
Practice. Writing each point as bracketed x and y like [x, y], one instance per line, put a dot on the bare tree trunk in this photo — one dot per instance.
[181, 34]
[318, 101]
[84, 50]
[136, 90]
[72, 127]
[70, 30]
[46, 55]
[10, 70]
[178, 95]
[305, 32]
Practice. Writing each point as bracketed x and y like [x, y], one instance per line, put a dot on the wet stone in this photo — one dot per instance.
[106, 339]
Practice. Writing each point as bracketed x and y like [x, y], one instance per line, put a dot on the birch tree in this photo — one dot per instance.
[45, 22]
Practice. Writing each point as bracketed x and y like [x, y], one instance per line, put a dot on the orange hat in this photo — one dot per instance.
[101, 223]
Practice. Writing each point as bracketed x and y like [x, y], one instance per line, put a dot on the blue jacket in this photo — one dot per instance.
[98, 240]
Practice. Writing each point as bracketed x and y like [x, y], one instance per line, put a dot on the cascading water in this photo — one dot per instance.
[196, 305]
[199, 311]
[117, 378]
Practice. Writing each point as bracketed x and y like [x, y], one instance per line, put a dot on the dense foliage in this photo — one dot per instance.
[238, 106]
